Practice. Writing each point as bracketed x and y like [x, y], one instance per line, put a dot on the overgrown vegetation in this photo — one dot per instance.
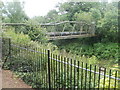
[32, 66]
[95, 50]
[103, 51]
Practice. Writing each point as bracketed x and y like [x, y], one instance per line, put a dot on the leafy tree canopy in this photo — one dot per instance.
[14, 12]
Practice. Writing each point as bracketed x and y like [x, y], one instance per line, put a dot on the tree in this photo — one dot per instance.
[95, 13]
[15, 12]
[108, 25]
[35, 31]
[84, 17]
[52, 16]
[39, 19]
[70, 8]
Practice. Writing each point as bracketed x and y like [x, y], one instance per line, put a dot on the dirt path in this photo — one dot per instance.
[11, 81]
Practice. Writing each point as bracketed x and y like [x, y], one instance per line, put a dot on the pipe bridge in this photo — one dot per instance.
[65, 29]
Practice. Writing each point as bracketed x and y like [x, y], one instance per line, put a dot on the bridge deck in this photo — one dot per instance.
[71, 36]
[65, 33]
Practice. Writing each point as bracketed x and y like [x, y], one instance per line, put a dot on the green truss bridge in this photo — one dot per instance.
[64, 30]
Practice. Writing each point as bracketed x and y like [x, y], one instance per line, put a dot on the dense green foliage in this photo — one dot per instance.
[13, 12]
[94, 50]
[103, 51]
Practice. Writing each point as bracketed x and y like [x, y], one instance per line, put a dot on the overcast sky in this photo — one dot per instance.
[41, 7]
[38, 7]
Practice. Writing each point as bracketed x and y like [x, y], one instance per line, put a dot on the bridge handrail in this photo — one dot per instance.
[45, 24]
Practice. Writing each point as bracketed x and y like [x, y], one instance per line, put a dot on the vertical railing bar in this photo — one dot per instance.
[74, 73]
[104, 78]
[23, 51]
[41, 65]
[68, 72]
[38, 62]
[99, 78]
[59, 70]
[17, 53]
[78, 74]
[94, 76]
[85, 76]
[13, 52]
[109, 79]
[28, 55]
[43, 70]
[54, 69]
[62, 70]
[71, 74]
[51, 66]
[32, 66]
[35, 67]
[9, 48]
[115, 80]
[46, 68]
[81, 76]
[49, 69]
[56, 72]
[64, 73]
[90, 77]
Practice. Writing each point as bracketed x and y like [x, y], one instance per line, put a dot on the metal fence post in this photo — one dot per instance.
[9, 48]
[49, 69]
[9, 52]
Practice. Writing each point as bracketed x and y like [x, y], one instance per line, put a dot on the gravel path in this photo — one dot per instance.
[11, 81]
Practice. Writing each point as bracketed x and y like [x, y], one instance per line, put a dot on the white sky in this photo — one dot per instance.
[38, 7]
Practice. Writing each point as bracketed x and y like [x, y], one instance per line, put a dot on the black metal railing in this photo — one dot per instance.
[43, 69]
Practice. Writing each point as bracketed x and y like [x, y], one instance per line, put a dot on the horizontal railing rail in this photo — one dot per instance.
[44, 24]
[29, 49]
